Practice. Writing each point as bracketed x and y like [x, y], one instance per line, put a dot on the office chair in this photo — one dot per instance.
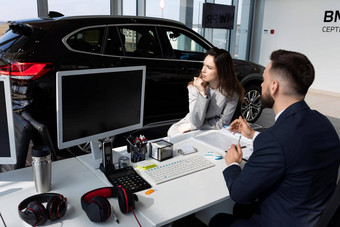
[44, 136]
[331, 215]
[23, 136]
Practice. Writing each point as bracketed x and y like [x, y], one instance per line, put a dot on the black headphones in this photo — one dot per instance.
[98, 208]
[36, 214]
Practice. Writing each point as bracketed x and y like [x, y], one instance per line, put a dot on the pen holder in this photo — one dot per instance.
[137, 147]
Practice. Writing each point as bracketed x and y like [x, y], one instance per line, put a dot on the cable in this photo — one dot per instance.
[135, 216]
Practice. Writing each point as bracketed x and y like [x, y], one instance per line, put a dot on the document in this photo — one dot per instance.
[223, 139]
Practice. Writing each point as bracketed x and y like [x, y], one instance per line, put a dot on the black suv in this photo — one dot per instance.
[32, 51]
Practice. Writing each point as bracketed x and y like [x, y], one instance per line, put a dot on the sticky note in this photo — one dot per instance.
[144, 165]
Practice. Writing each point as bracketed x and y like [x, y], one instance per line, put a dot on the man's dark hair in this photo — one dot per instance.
[295, 67]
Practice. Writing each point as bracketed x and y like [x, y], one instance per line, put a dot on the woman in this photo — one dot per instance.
[213, 96]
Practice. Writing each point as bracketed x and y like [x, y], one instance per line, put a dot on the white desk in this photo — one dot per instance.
[178, 198]
[69, 178]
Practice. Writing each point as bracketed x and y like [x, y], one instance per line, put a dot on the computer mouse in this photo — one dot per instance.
[213, 155]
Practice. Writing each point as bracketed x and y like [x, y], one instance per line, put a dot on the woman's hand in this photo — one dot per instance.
[183, 128]
[200, 85]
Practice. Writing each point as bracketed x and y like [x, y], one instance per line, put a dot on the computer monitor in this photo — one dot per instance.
[95, 104]
[7, 136]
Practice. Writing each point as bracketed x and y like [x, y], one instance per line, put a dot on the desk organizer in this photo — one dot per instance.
[137, 147]
[160, 150]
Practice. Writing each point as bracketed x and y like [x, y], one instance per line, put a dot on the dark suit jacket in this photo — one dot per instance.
[292, 171]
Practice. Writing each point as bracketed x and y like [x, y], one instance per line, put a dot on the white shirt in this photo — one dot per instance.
[212, 92]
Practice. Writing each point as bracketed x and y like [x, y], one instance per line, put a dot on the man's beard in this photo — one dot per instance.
[267, 101]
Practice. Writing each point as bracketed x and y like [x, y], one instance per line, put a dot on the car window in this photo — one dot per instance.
[88, 40]
[184, 45]
[140, 41]
[114, 42]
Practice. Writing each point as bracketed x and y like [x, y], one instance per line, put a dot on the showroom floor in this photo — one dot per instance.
[325, 104]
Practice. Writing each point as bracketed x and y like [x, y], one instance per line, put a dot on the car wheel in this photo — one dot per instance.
[251, 108]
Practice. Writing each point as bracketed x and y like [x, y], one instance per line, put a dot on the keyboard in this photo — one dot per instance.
[178, 168]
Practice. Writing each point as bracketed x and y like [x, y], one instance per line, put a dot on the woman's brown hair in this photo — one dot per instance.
[228, 82]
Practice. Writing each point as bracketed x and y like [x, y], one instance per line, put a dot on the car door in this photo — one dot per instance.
[141, 46]
[171, 62]
[186, 51]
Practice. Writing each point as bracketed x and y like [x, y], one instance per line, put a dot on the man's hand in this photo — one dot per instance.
[242, 126]
[233, 154]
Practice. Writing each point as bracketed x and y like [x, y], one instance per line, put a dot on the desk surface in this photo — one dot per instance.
[171, 200]
[178, 198]
[69, 178]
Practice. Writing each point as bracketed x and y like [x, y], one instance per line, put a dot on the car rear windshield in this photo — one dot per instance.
[12, 42]
[7, 40]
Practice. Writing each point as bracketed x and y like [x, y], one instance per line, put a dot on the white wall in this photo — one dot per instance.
[298, 27]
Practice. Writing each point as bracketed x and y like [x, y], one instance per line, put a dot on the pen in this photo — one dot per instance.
[3, 220]
[239, 139]
[242, 158]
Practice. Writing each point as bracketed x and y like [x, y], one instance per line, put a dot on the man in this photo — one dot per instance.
[293, 169]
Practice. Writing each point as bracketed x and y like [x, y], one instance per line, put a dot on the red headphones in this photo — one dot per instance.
[36, 214]
[98, 208]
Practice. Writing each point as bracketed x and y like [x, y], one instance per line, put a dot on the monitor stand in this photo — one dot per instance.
[96, 153]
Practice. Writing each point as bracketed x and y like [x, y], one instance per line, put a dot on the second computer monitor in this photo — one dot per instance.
[98, 103]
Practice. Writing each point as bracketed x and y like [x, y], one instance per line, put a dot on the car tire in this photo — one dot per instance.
[251, 108]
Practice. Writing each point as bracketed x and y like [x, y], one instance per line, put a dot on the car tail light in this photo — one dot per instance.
[25, 71]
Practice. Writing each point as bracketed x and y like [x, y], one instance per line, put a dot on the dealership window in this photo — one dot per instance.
[129, 7]
[243, 29]
[170, 10]
[219, 37]
[18, 9]
[83, 7]
[236, 41]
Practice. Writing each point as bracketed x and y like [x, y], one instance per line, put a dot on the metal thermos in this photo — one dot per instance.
[41, 164]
